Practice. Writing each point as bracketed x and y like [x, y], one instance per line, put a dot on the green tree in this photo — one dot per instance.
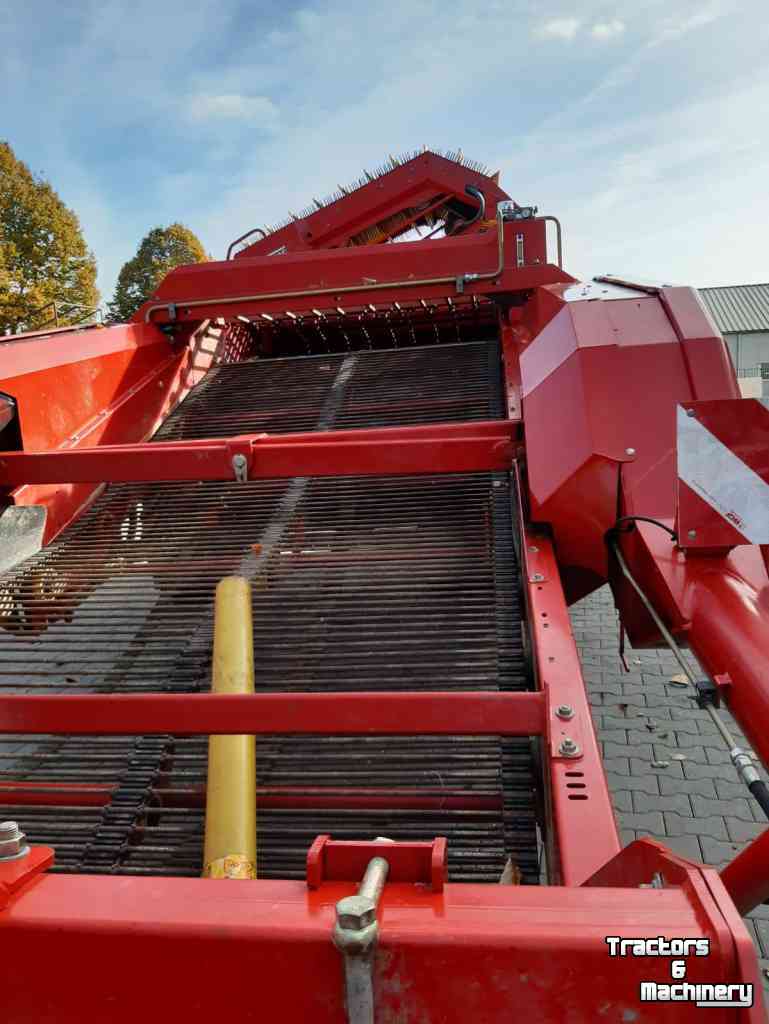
[160, 251]
[43, 257]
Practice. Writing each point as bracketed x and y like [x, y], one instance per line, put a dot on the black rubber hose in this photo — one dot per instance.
[761, 793]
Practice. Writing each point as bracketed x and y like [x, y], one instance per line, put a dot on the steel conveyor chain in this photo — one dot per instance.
[359, 584]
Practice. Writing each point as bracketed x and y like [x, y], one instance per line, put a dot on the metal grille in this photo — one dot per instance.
[441, 384]
[359, 583]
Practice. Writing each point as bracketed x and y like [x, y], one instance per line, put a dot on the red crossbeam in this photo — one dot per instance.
[437, 448]
[488, 713]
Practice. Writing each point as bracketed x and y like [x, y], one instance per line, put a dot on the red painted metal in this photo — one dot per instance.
[577, 785]
[412, 183]
[488, 713]
[334, 860]
[55, 794]
[18, 873]
[440, 448]
[745, 878]
[472, 952]
[353, 277]
[334, 797]
[94, 387]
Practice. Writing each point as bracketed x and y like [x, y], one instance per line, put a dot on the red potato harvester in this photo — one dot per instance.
[286, 564]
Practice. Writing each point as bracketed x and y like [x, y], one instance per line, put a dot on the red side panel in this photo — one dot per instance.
[86, 388]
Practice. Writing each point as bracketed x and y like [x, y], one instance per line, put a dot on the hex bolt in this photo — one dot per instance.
[13, 842]
[565, 711]
[568, 747]
[691, 534]
[630, 451]
[536, 577]
[690, 412]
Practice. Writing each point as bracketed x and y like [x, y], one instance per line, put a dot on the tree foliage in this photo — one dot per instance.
[160, 251]
[43, 257]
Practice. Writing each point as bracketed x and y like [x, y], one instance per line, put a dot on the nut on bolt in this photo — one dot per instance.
[568, 748]
[565, 711]
[13, 842]
[356, 929]
[354, 913]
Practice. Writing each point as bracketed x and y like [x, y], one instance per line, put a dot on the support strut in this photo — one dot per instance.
[230, 835]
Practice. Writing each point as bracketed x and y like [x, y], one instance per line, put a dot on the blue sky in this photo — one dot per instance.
[642, 125]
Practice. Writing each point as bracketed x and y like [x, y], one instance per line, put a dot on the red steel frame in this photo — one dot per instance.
[467, 952]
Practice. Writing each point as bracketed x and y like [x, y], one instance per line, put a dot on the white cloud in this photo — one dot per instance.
[678, 25]
[603, 30]
[558, 28]
[231, 106]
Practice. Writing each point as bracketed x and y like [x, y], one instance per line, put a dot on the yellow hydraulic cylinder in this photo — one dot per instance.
[230, 841]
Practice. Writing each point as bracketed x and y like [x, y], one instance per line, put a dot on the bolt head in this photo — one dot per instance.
[691, 534]
[690, 412]
[565, 711]
[630, 451]
[354, 913]
[13, 842]
[536, 577]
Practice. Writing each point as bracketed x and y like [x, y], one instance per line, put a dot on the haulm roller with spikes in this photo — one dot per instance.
[292, 721]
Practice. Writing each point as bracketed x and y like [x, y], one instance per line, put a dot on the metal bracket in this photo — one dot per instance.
[341, 860]
[240, 467]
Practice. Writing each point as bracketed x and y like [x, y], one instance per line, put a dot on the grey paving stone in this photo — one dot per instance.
[626, 722]
[622, 800]
[732, 790]
[633, 783]
[635, 750]
[670, 786]
[743, 831]
[690, 741]
[673, 769]
[718, 755]
[641, 738]
[693, 770]
[666, 750]
[645, 824]
[685, 846]
[703, 807]
[713, 827]
[617, 765]
[716, 852]
[679, 803]
[612, 735]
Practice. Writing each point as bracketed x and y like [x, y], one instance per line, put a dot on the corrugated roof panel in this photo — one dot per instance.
[739, 307]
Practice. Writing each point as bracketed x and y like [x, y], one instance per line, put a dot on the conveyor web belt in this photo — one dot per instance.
[359, 583]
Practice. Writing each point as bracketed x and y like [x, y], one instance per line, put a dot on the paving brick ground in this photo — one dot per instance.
[696, 803]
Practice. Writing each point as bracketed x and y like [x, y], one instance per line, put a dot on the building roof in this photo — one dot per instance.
[739, 307]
